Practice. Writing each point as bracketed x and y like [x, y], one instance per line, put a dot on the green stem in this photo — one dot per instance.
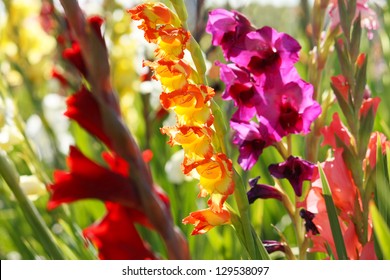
[11, 177]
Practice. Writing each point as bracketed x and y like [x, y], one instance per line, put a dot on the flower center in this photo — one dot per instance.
[267, 59]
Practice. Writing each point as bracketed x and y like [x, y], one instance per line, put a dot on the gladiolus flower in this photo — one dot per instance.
[266, 51]
[195, 141]
[261, 191]
[240, 88]
[370, 158]
[228, 30]
[273, 246]
[341, 84]
[87, 179]
[336, 130]
[204, 220]
[252, 138]
[153, 17]
[293, 108]
[309, 225]
[295, 170]
[116, 236]
[216, 178]
[189, 103]
[172, 75]
[83, 108]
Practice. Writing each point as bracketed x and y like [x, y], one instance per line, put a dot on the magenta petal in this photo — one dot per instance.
[251, 138]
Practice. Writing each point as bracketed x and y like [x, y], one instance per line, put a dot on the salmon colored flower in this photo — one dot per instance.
[204, 220]
[341, 183]
[370, 158]
[369, 104]
[336, 131]
[340, 83]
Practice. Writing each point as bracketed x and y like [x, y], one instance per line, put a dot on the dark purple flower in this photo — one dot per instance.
[273, 246]
[295, 170]
[251, 138]
[228, 30]
[261, 191]
[293, 108]
[309, 225]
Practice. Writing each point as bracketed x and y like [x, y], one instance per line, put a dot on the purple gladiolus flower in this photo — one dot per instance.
[266, 51]
[241, 89]
[252, 138]
[228, 30]
[263, 83]
[309, 225]
[295, 170]
[293, 108]
[261, 191]
[273, 246]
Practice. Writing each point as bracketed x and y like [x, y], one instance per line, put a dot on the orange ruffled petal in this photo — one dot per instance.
[195, 141]
[216, 177]
[153, 17]
[205, 219]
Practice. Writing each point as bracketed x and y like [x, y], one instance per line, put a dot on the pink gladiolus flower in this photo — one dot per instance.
[266, 51]
[228, 30]
[293, 108]
[263, 83]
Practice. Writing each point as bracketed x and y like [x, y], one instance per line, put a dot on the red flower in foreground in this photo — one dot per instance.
[116, 236]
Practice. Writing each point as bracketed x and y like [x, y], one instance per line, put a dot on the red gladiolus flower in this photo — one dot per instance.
[116, 236]
[87, 179]
[83, 108]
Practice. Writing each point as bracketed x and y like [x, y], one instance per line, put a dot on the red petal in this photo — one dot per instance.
[116, 236]
[83, 108]
[86, 180]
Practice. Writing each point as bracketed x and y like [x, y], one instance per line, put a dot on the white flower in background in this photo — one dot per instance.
[173, 168]
[54, 106]
[32, 186]
[9, 133]
[39, 138]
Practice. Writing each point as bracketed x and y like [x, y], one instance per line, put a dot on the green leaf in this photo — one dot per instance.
[344, 18]
[355, 40]
[381, 230]
[382, 190]
[365, 128]
[333, 218]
